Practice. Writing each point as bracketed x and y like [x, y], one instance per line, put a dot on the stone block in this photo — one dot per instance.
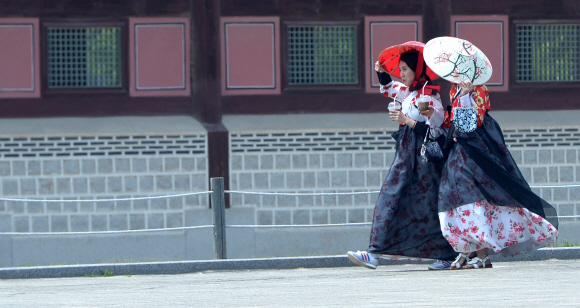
[369, 214]
[99, 223]
[314, 161]
[265, 217]
[566, 210]
[377, 160]
[282, 217]
[86, 207]
[53, 207]
[344, 200]
[18, 168]
[540, 174]
[571, 156]
[361, 200]
[4, 168]
[136, 221]
[71, 167]
[373, 178]
[105, 165]
[188, 164]
[356, 179]
[268, 201]
[236, 162]
[282, 161]
[301, 217]
[80, 185]
[130, 183]
[530, 157]
[356, 215]
[389, 157]
[518, 157]
[329, 200]
[63, 186]
[199, 182]
[575, 194]
[558, 156]
[544, 157]
[344, 160]
[527, 173]
[361, 160]
[251, 162]
[58, 223]
[338, 178]
[299, 161]
[118, 222]
[567, 174]
[70, 207]
[33, 168]
[293, 180]
[337, 216]
[79, 223]
[553, 174]
[163, 183]
[21, 224]
[309, 180]
[39, 223]
[145, 183]
[171, 164]
[155, 221]
[319, 217]
[305, 201]
[560, 194]
[97, 185]
[139, 165]
[176, 203]
[122, 165]
[277, 180]
[174, 220]
[251, 200]
[28, 187]
[245, 181]
[140, 205]
[105, 206]
[181, 182]
[15, 207]
[201, 163]
[158, 204]
[88, 166]
[155, 164]
[9, 187]
[266, 162]
[328, 161]
[323, 179]
[286, 201]
[261, 180]
[34, 207]
[46, 187]
[123, 206]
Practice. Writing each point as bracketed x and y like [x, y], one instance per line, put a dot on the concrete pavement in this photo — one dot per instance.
[550, 283]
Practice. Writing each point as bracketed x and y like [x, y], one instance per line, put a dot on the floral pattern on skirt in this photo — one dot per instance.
[506, 229]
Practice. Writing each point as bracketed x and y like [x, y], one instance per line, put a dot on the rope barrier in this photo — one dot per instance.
[108, 232]
[301, 226]
[552, 186]
[107, 200]
[299, 194]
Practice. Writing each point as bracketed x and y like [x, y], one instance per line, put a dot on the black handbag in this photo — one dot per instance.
[430, 150]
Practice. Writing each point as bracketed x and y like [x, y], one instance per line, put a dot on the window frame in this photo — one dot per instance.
[514, 83]
[122, 24]
[359, 85]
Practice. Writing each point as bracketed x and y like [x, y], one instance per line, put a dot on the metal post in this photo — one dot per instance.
[219, 217]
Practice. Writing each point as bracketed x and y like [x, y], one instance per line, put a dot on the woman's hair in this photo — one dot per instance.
[411, 58]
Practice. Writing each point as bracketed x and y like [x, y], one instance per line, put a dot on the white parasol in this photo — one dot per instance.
[456, 60]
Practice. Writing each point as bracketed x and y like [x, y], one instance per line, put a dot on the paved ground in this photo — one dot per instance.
[516, 284]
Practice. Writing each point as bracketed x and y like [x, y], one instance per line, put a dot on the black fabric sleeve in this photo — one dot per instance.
[384, 78]
[420, 129]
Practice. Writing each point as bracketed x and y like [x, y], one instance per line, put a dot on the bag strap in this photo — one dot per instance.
[427, 133]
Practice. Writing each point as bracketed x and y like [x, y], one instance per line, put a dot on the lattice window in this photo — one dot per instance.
[84, 57]
[322, 55]
[548, 52]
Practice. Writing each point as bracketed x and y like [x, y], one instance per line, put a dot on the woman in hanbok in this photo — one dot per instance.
[405, 221]
[485, 204]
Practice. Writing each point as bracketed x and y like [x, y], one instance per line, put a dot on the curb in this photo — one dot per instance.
[184, 267]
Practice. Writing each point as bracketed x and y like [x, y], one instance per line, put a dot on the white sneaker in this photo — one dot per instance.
[363, 258]
[440, 265]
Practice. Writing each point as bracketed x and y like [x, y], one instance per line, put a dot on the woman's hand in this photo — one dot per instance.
[397, 115]
[429, 112]
[466, 88]
[379, 68]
